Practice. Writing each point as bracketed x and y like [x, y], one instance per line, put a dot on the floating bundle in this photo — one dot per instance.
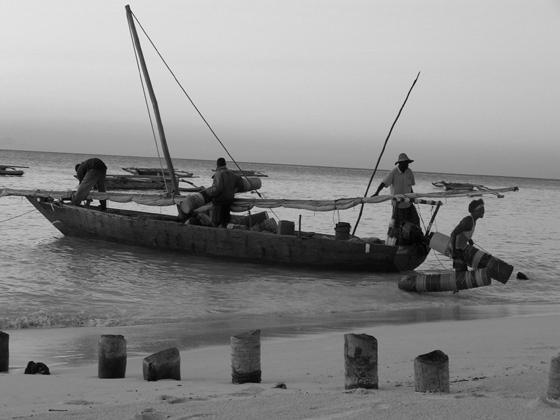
[444, 281]
[474, 257]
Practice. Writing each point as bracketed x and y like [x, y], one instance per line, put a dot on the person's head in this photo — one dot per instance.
[220, 162]
[476, 208]
[77, 166]
[403, 162]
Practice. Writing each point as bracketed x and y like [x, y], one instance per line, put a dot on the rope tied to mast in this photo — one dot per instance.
[192, 103]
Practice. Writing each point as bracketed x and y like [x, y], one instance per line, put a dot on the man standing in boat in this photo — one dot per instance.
[221, 193]
[401, 180]
[91, 173]
[461, 237]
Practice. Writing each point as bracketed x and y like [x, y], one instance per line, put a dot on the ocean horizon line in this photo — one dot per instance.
[289, 164]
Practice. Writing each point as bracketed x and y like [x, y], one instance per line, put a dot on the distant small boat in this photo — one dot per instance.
[248, 172]
[115, 182]
[454, 185]
[158, 172]
[10, 170]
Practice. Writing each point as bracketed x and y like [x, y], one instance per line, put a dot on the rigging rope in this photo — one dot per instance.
[186, 94]
[15, 217]
[192, 103]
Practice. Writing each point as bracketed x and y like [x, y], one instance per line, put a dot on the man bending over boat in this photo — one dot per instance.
[221, 193]
[91, 173]
[461, 237]
[401, 180]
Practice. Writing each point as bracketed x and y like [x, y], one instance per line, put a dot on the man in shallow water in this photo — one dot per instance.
[461, 237]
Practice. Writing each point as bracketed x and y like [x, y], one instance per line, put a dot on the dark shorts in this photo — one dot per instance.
[459, 263]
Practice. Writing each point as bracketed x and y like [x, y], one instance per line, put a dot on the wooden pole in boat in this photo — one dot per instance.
[163, 141]
[382, 151]
[438, 205]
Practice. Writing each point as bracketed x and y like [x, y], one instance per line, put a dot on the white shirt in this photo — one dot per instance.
[400, 183]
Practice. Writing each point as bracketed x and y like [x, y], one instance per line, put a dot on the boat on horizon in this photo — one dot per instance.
[158, 172]
[11, 170]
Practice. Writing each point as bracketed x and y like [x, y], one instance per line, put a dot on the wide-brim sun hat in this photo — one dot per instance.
[403, 158]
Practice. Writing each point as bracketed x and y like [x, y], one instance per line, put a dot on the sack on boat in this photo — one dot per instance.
[249, 184]
[192, 202]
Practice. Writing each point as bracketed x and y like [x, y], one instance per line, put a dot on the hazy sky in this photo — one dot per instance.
[314, 82]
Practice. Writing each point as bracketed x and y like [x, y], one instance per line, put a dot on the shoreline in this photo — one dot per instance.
[77, 346]
[498, 368]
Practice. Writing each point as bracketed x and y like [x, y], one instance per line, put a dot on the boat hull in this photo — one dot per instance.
[8, 172]
[166, 233]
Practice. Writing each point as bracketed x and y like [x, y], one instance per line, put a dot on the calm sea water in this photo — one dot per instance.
[48, 280]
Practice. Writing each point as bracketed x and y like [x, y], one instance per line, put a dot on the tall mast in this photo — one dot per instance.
[138, 47]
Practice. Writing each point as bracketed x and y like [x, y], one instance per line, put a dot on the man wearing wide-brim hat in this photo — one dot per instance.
[401, 180]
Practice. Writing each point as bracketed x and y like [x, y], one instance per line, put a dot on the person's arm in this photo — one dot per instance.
[81, 172]
[381, 186]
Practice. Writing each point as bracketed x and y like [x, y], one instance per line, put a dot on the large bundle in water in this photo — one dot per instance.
[444, 281]
[474, 257]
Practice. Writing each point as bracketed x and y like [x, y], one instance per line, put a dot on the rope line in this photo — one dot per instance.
[186, 94]
[15, 217]
[192, 103]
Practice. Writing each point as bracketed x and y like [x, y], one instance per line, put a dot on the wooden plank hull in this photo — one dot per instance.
[166, 233]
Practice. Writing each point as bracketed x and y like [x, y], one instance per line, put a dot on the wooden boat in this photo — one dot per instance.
[158, 172]
[10, 170]
[275, 246]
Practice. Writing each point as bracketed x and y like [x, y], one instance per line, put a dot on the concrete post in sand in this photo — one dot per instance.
[431, 372]
[554, 379]
[246, 357]
[112, 356]
[4, 351]
[360, 361]
[165, 364]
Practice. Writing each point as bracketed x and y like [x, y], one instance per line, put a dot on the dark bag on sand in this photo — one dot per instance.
[39, 367]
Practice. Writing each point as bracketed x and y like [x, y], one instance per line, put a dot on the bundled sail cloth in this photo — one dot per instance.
[244, 204]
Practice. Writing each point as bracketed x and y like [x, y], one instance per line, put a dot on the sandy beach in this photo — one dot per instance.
[498, 369]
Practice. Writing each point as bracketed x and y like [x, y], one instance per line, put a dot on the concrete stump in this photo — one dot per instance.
[165, 364]
[431, 372]
[246, 357]
[4, 351]
[360, 361]
[112, 356]
[553, 391]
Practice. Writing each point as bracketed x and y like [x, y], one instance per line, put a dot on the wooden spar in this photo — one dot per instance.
[163, 141]
[382, 151]
[438, 205]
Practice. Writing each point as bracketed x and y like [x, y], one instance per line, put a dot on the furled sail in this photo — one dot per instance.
[244, 204]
